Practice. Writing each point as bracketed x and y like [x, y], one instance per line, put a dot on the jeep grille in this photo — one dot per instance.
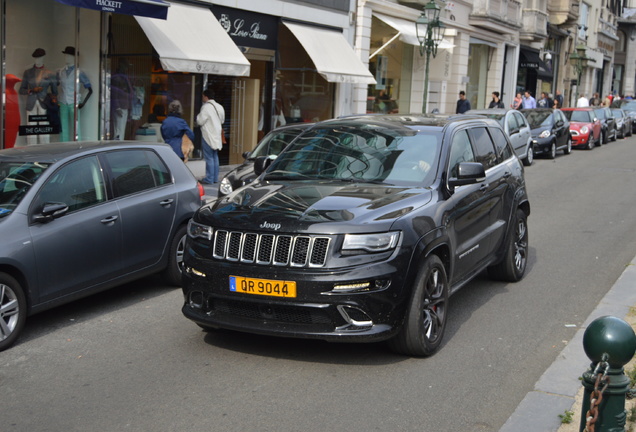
[264, 249]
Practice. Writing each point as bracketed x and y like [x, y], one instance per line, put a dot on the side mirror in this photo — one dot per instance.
[246, 155]
[50, 211]
[468, 173]
[261, 163]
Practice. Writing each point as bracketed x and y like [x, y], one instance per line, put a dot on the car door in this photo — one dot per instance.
[496, 184]
[146, 197]
[466, 212]
[82, 247]
[525, 133]
[562, 128]
[513, 131]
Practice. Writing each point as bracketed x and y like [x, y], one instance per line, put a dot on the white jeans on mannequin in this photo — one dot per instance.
[119, 126]
[37, 139]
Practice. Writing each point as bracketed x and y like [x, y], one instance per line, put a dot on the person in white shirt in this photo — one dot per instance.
[582, 101]
[211, 118]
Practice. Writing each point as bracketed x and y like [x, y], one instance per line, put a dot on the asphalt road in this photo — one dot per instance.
[127, 360]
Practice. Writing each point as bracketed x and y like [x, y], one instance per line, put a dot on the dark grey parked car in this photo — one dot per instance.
[77, 218]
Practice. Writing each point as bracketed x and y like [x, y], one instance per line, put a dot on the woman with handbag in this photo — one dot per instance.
[174, 128]
[211, 118]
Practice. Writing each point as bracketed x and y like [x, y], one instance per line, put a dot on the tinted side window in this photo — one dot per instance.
[501, 144]
[135, 171]
[461, 151]
[78, 184]
[484, 147]
[513, 125]
[521, 120]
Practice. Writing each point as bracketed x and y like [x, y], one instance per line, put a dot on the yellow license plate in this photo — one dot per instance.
[264, 287]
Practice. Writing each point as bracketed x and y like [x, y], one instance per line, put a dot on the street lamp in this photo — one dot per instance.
[430, 32]
[578, 60]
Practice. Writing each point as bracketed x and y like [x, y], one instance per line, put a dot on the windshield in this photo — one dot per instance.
[539, 118]
[16, 178]
[499, 117]
[274, 142]
[578, 116]
[368, 154]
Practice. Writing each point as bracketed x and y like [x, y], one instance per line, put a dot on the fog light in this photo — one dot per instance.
[196, 300]
[197, 272]
[352, 287]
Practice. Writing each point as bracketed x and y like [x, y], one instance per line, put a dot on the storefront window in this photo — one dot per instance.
[302, 94]
[390, 94]
[478, 73]
[140, 90]
[42, 63]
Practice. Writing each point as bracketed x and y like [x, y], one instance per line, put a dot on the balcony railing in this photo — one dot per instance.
[502, 16]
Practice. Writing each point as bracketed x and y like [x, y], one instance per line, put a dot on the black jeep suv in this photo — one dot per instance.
[360, 230]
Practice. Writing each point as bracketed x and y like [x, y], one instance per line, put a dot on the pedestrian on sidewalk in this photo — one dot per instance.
[174, 127]
[463, 104]
[528, 101]
[517, 103]
[582, 101]
[496, 102]
[211, 118]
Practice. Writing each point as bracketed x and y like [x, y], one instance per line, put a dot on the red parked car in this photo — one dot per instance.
[585, 127]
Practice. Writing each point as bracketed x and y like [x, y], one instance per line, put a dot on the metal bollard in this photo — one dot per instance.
[609, 343]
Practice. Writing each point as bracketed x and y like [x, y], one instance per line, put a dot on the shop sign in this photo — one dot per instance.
[248, 29]
[146, 8]
[38, 130]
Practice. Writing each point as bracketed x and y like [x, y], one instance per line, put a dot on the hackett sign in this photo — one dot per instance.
[147, 8]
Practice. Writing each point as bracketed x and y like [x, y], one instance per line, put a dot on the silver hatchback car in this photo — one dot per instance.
[516, 127]
[78, 218]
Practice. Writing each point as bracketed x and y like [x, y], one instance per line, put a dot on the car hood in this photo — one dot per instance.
[244, 172]
[537, 131]
[314, 207]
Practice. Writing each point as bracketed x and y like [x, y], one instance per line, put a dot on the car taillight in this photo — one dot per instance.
[201, 191]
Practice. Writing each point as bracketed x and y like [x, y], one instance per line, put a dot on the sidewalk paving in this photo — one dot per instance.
[556, 390]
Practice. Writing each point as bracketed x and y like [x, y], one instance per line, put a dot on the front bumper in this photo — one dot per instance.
[542, 145]
[580, 140]
[318, 311]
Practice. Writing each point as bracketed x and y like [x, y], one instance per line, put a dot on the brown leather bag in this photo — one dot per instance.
[187, 147]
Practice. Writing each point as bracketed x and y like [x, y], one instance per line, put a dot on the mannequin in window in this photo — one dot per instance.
[12, 119]
[69, 94]
[36, 83]
[121, 99]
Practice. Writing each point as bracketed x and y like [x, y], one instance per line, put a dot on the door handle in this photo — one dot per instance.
[108, 220]
[507, 174]
[167, 202]
[484, 187]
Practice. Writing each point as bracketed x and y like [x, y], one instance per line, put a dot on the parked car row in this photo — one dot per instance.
[78, 218]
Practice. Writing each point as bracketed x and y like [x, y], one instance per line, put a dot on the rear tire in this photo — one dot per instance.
[513, 266]
[172, 273]
[13, 310]
[425, 321]
[527, 161]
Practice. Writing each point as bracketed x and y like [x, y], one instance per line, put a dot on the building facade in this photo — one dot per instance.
[269, 63]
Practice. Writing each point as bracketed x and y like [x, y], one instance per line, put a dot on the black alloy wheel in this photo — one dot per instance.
[513, 266]
[425, 322]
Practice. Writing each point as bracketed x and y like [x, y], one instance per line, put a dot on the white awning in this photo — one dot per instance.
[192, 40]
[407, 31]
[332, 55]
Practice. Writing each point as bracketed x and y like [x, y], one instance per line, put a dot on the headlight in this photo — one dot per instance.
[544, 134]
[199, 230]
[584, 130]
[226, 187]
[377, 242]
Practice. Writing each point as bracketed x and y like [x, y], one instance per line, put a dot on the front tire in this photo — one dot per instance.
[601, 139]
[513, 266]
[425, 321]
[12, 310]
[590, 142]
[552, 153]
[568, 148]
[172, 273]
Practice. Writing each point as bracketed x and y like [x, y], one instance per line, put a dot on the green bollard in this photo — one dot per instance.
[610, 343]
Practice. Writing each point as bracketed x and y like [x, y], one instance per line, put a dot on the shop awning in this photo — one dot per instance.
[407, 31]
[192, 40]
[332, 55]
[529, 59]
[145, 8]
